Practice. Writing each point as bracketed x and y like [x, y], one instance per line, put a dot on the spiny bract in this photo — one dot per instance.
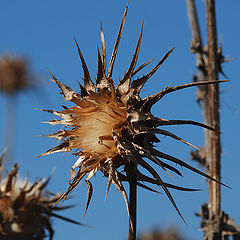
[113, 126]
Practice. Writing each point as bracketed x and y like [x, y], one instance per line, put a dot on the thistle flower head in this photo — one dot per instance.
[111, 126]
[14, 74]
[25, 208]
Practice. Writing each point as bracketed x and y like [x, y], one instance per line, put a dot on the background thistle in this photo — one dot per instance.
[112, 127]
[14, 74]
[15, 77]
[172, 233]
[26, 208]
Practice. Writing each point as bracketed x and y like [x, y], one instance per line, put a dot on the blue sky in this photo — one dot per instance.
[43, 32]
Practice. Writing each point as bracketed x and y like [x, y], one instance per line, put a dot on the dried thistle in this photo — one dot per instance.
[171, 233]
[112, 126]
[14, 74]
[25, 208]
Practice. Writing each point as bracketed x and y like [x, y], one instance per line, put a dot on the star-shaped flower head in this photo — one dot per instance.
[112, 126]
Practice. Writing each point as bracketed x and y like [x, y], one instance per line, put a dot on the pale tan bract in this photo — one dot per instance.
[111, 126]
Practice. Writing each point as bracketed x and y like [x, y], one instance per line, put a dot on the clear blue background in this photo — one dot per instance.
[43, 32]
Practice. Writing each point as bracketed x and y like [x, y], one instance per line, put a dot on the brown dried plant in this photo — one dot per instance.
[14, 74]
[171, 233]
[112, 126]
[25, 208]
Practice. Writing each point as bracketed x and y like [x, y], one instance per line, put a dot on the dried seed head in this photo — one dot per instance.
[14, 74]
[26, 208]
[171, 233]
[112, 126]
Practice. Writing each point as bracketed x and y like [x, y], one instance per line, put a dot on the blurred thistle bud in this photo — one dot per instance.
[171, 233]
[14, 74]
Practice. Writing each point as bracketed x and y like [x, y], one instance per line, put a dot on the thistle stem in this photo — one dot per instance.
[131, 173]
[213, 70]
[10, 128]
[197, 48]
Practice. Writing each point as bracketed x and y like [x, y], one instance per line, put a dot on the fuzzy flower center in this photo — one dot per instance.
[95, 118]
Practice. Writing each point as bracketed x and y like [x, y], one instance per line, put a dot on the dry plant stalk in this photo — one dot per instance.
[25, 208]
[202, 95]
[214, 110]
[215, 223]
[112, 126]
